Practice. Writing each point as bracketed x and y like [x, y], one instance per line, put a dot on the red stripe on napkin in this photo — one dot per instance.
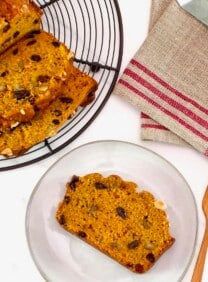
[167, 86]
[164, 110]
[155, 126]
[151, 125]
[166, 98]
[143, 115]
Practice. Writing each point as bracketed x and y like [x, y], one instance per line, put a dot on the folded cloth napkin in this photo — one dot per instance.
[167, 79]
[150, 129]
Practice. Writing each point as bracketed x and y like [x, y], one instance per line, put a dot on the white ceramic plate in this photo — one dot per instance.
[61, 257]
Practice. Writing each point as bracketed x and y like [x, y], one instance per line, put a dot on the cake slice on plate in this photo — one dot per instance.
[107, 212]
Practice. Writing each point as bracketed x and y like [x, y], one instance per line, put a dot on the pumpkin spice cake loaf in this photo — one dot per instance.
[107, 212]
[17, 18]
[32, 73]
[78, 90]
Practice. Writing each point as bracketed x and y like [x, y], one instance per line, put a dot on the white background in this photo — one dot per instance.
[118, 120]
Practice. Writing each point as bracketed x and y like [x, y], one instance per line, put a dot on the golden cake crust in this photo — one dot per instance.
[109, 214]
[17, 18]
[30, 77]
[78, 89]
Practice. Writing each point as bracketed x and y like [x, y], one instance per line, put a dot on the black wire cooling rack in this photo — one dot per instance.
[92, 29]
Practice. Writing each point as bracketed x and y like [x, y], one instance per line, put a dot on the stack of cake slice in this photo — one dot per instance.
[40, 88]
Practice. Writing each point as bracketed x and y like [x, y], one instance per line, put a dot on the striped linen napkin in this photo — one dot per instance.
[167, 79]
[150, 129]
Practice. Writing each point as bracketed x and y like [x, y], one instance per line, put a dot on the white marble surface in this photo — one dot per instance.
[118, 120]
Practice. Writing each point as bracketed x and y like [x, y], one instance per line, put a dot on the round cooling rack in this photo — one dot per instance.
[92, 29]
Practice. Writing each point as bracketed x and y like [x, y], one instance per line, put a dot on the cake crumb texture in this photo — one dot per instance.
[31, 77]
[78, 91]
[111, 215]
[17, 18]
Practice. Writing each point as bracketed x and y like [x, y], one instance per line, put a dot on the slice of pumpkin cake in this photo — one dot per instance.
[78, 90]
[32, 75]
[108, 213]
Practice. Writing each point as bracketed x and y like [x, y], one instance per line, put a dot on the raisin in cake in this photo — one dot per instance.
[32, 73]
[109, 214]
[17, 18]
[79, 90]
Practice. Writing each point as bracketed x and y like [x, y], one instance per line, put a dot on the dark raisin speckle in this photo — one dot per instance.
[66, 100]
[29, 35]
[35, 31]
[133, 245]
[150, 257]
[56, 43]
[55, 121]
[62, 220]
[21, 94]
[73, 182]
[121, 212]
[139, 268]
[4, 73]
[130, 265]
[31, 42]
[15, 51]
[35, 21]
[35, 58]
[1, 133]
[100, 186]
[43, 78]
[15, 34]
[82, 234]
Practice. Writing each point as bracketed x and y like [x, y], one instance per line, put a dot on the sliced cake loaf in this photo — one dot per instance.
[17, 18]
[78, 90]
[32, 73]
[108, 213]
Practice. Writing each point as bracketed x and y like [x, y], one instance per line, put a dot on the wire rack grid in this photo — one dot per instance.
[92, 29]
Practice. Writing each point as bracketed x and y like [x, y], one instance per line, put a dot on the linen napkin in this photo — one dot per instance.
[150, 129]
[167, 79]
[157, 9]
